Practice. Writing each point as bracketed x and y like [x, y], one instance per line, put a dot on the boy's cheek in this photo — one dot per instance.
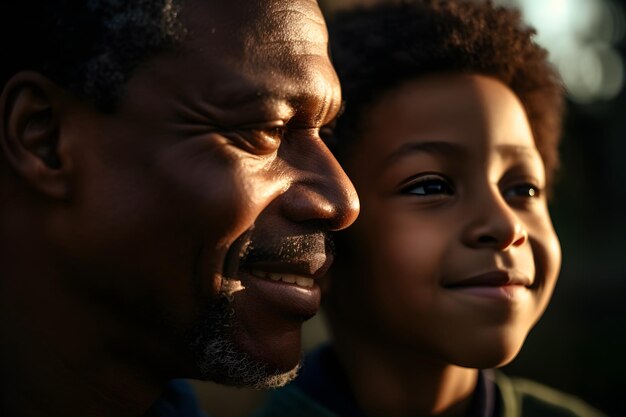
[546, 251]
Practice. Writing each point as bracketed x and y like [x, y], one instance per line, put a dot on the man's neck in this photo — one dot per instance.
[56, 361]
[37, 383]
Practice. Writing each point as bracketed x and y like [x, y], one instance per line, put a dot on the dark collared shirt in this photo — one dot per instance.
[178, 400]
[324, 381]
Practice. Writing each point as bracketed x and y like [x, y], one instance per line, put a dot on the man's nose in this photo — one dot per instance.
[321, 190]
[492, 223]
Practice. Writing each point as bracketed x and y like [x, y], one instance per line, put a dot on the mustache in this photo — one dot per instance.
[288, 249]
[309, 251]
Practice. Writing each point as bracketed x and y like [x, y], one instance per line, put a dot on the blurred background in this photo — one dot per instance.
[580, 344]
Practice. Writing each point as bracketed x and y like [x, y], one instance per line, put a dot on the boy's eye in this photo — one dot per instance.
[522, 190]
[430, 185]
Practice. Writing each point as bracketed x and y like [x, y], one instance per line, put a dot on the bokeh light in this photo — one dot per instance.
[581, 36]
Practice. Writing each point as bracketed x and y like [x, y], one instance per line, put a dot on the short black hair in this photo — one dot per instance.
[89, 47]
[376, 49]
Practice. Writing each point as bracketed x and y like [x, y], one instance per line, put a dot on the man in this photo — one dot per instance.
[165, 197]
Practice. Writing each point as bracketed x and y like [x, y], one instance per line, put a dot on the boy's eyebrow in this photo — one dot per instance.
[516, 150]
[431, 147]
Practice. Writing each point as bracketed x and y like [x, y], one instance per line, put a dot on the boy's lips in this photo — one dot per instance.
[497, 284]
[495, 278]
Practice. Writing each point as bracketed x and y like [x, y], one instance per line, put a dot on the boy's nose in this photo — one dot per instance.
[495, 225]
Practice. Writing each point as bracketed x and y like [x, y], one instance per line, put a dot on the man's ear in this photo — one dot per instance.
[30, 133]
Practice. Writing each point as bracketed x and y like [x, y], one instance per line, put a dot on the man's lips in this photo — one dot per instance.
[298, 260]
[279, 298]
[296, 279]
[287, 287]
[496, 278]
[278, 274]
[301, 272]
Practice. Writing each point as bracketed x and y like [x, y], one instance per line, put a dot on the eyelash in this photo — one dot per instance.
[526, 190]
[434, 186]
[261, 141]
[327, 133]
[431, 185]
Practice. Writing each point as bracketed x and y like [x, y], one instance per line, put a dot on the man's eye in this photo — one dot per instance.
[429, 186]
[522, 190]
[261, 141]
[270, 138]
[327, 133]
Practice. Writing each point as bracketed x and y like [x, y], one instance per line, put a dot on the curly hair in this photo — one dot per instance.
[89, 47]
[378, 48]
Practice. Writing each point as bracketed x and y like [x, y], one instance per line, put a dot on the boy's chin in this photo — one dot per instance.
[488, 354]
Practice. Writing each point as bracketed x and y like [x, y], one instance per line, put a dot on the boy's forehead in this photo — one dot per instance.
[454, 117]
[443, 106]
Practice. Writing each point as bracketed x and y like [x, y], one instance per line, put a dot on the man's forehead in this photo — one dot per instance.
[253, 30]
[295, 21]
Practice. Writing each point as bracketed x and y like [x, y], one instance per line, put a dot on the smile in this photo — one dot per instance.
[503, 292]
[497, 285]
[280, 275]
[298, 280]
[497, 278]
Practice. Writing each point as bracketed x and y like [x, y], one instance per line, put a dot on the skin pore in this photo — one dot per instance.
[453, 258]
[159, 241]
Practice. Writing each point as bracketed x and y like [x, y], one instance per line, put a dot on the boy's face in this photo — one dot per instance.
[454, 255]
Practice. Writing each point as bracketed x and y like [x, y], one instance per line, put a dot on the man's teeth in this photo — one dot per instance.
[289, 278]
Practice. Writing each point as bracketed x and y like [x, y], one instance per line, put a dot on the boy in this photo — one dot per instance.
[450, 137]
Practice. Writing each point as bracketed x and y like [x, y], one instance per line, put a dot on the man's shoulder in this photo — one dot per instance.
[291, 401]
[525, 398]
[178, 400]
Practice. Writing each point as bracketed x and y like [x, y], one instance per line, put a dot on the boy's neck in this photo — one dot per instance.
[387, 381]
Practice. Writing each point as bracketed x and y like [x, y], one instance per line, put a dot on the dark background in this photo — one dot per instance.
[579, 346]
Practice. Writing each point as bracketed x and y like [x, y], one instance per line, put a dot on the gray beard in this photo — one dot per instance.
[220, 360]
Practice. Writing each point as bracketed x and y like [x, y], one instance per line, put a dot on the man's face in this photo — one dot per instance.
[454, 255]
[204, 200]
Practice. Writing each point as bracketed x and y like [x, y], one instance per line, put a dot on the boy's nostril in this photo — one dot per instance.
[486, 239]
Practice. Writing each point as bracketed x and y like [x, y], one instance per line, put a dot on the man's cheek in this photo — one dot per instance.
[221, 186]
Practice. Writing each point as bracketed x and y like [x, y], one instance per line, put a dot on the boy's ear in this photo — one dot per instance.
[30, 133]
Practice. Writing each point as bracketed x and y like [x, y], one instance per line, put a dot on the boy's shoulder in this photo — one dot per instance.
[291, 401]
[521, 398]
[518, 398]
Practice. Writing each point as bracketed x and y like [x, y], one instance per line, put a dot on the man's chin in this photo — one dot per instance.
[279, 380]
[224, 363]
[219, 358]
[262, 382]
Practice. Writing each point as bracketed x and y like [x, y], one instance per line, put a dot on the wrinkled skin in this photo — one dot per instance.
[213, 165]
[452, 187]
[214, 152]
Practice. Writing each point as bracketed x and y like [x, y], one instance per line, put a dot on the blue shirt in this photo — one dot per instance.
[178, 400]
[323, 380]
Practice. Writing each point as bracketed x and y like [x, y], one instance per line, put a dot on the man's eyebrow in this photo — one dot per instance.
[430, 147]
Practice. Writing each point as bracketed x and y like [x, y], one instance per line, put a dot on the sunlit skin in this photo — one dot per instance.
[213, 152]
[453, 258]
